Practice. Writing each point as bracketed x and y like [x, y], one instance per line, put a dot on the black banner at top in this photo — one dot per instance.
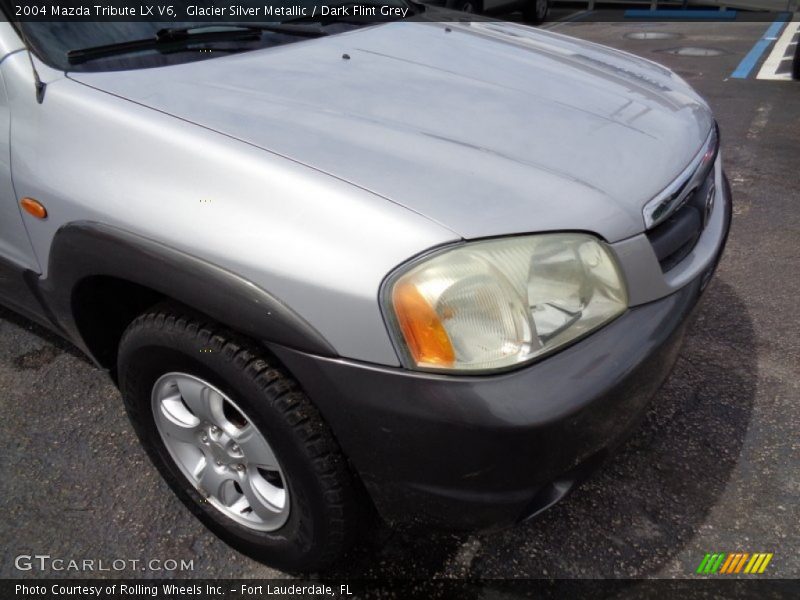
[249, 11]
[206, 10]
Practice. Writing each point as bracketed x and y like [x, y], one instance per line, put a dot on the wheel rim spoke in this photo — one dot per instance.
[256, 449]
[240, 505]
[177, 422]
[204, 402]
[211, 480]
[260, 505]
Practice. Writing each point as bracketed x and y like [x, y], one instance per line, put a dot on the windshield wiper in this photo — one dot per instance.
[178, 36]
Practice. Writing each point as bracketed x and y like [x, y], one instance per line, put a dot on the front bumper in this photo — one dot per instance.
[486, 451]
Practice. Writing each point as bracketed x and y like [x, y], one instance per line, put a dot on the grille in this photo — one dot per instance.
[674, 238]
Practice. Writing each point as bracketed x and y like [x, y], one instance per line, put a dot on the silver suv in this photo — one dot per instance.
[432, 271]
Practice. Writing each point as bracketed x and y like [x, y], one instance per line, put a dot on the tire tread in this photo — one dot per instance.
[285, 395]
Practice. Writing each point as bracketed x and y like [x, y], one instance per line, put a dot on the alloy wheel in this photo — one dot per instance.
[220, 451]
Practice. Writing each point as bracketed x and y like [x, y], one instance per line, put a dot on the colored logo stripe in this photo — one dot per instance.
[723, 563]
[711, 563]
[758, 563]
[735, 562]
[727, 564]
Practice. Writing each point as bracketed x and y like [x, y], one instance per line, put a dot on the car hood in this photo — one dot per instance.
[486, 128]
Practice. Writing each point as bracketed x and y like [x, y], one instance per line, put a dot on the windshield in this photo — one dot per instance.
[52, 41]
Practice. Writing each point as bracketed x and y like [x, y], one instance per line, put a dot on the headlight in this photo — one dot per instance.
[497, 303]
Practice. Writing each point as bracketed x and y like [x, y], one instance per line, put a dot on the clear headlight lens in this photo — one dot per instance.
[496, 303]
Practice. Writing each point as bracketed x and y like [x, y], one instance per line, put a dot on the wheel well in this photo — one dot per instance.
[103, 307]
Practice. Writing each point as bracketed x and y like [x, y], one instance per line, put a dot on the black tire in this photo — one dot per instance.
[796, 62]
[536, 11]
[467, 6]
[325, 508]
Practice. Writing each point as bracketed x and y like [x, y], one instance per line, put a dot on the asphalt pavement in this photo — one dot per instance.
[715, 467]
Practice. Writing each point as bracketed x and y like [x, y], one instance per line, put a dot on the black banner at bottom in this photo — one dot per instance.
[253, 589]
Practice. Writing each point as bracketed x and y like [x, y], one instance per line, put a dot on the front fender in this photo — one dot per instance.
[87, 249]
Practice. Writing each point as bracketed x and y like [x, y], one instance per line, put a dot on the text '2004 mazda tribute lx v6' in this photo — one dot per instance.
[434, 269]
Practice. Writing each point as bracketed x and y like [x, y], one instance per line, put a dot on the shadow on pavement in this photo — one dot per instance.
[55, 343]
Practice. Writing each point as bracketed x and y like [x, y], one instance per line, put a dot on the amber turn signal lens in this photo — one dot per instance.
[422, 329]
[34, 208]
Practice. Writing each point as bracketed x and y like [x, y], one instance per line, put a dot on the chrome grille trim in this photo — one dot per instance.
[675, 194]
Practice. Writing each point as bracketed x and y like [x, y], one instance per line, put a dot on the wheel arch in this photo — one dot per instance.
[101, 277]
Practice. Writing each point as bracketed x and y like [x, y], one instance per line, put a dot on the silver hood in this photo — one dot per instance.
[487, 128]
